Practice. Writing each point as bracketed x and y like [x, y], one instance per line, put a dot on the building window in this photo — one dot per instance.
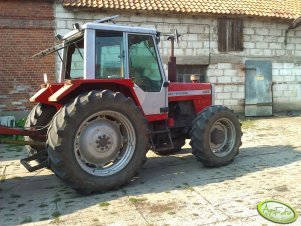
[230, 35]
[185, 71]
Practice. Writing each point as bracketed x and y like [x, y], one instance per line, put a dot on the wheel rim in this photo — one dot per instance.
[104, 143]
[222, 137]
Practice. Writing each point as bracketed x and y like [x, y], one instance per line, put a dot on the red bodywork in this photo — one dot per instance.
[58, 94]
[199, 93]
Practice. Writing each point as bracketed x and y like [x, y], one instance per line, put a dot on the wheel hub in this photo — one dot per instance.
[217, 136]
[100, 142]
[104, 142]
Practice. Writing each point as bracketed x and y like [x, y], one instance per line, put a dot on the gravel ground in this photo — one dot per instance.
[172, 190]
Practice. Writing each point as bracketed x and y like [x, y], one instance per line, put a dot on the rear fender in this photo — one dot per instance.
[73, 88]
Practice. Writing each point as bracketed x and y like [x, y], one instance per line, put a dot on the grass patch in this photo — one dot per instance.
[44, 218]
[70, 201]
[15, 196]
[2, 178]
[43, 205]
[56, 221]
[56, 200]
[56, 214]
[135, 200]
[26, 220]
[103, 204]
[49, 187]
[247, 124]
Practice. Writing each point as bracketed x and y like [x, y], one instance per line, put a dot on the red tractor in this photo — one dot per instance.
[113, 103]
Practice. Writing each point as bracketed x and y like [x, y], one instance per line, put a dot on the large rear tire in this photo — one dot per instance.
[216, 136]
[39, 117]
[98, 141]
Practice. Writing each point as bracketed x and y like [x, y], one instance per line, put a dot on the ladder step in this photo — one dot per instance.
[164, 148]
[160, 131]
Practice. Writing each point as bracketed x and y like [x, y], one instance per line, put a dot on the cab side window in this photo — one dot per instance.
[143, 63]
[109, 55]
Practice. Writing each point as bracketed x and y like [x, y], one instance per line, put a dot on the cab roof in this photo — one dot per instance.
[122, 28]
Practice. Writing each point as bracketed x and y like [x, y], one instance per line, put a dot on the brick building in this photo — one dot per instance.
[26, 27]
[220, 38]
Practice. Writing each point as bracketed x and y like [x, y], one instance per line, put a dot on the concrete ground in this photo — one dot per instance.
[173, 190]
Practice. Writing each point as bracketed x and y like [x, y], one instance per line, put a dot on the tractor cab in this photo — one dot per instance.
[101, 51]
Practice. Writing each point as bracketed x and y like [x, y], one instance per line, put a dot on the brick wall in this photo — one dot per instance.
[263, 40]
[26, 27]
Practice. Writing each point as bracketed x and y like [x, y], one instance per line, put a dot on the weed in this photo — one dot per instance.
[247, 124]
[2, 178]
[103, 204]
[56, 200]
[70, 201]
[189, 188]
[56, 214]
[43, 205]
[135, 200]
[26, 220]
[56, 220]
[15, 196]
[44, 218]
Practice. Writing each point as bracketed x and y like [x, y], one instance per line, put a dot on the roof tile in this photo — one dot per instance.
[290, 9]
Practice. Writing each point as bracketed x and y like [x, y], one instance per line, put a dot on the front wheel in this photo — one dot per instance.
[98, 141]
[216, 136]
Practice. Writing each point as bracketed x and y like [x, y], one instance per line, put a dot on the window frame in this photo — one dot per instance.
[230, 35]
[159, 60]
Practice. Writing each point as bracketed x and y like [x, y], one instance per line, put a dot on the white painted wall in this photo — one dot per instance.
[263, 40]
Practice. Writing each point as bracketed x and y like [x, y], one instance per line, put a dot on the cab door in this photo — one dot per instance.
[145, 69]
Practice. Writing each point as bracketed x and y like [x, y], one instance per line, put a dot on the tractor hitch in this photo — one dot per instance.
[40, 155]
[32, 132]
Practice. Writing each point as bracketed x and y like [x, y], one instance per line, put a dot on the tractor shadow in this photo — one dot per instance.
[43, 196]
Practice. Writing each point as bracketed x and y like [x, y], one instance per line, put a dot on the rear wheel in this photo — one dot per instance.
[215, 136]
[98, 141]
[39, 117]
